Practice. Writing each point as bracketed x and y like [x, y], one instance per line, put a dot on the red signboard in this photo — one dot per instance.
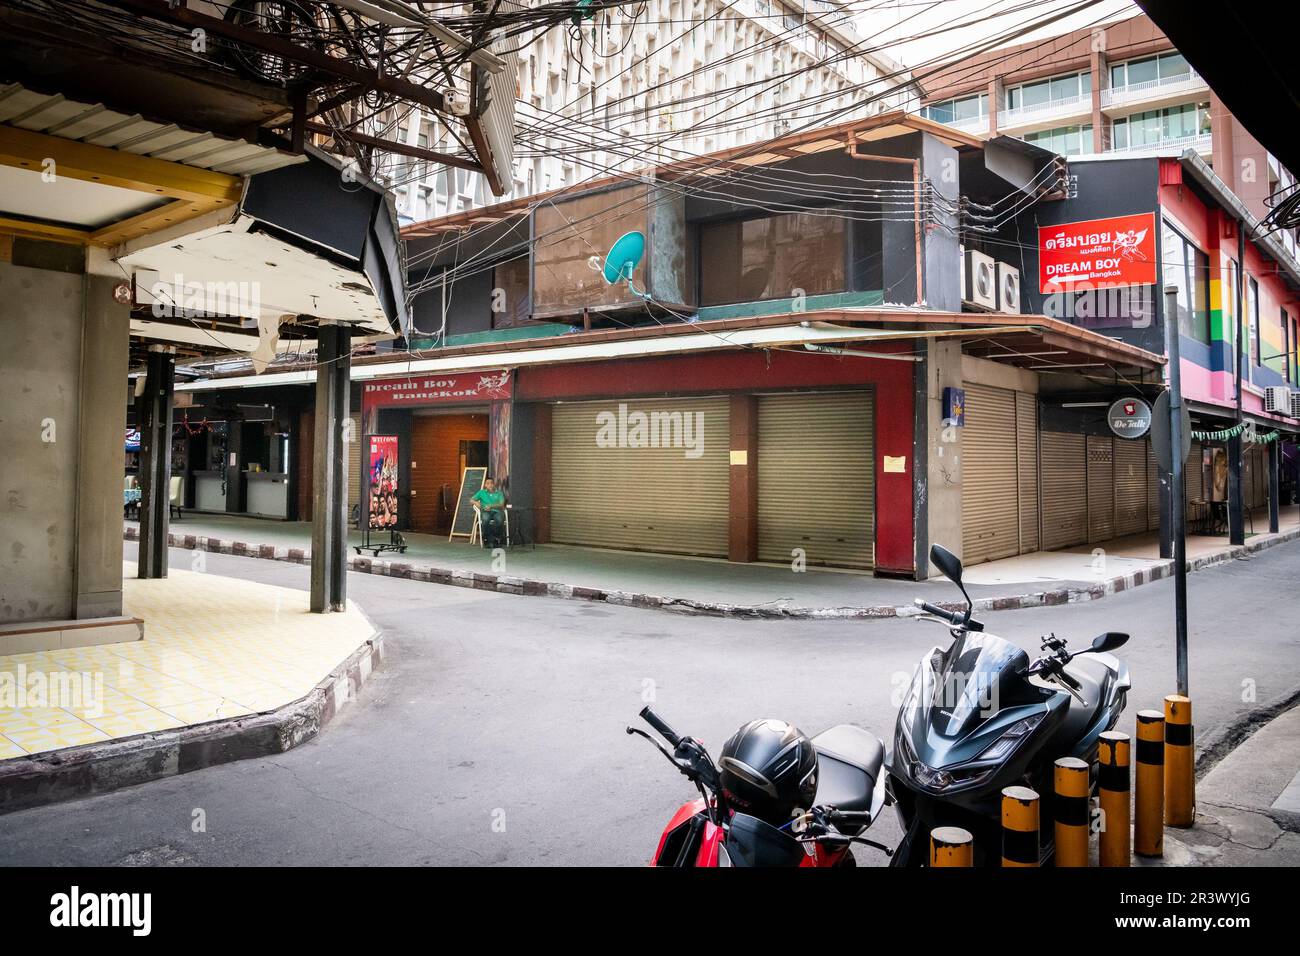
[437, 389]
[383, 482]
[1097, 253]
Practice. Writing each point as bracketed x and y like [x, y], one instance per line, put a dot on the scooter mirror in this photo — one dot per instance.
[947, 562]
[1109, 641]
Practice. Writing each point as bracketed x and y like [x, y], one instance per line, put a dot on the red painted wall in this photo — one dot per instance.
[763, 371]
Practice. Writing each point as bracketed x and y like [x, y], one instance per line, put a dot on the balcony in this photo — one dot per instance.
[1174, 146]
[1153, 92]
[1045, 115]
[976, 126]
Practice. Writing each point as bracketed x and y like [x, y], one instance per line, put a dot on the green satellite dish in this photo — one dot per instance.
[623, 258]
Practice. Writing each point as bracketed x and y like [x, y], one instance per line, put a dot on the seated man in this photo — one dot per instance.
[492, 511]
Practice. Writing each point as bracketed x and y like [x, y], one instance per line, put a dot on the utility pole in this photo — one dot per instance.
[1177, 497]
[1236, 519]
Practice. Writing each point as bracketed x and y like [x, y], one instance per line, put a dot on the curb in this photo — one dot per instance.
[76, 772]
[505, 584]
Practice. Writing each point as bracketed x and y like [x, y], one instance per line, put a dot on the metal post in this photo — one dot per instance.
[155, 462]
[1274, 463]
[329, 471]
[1236, 519]
[1178, 495]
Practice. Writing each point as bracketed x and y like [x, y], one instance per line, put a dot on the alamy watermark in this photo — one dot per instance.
[655, 429]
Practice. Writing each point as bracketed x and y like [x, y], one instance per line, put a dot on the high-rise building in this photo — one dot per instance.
[653, 83]
[1116, 89]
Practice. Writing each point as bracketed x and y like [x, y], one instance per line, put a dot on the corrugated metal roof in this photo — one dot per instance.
[97, 125]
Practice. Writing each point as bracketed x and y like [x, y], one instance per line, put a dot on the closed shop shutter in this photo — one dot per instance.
[1153, 488]
[626, 492]
[1101, 489]
[1194, 474]
[817, 446]
[353, 447]
[1063, 461]
[1130, 486]
[1027, 466]
[989, 476]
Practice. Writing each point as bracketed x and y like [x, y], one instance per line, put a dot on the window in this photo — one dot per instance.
[1152, 69]
[1153, 127]
[1295, 351]
[745, 260]
[958, 110]
[1188, 268]
[1053, 90]
[1066, 140]
[1252, 317]
[1230, 314]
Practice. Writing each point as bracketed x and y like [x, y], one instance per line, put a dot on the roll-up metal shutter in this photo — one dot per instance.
[990, 516]
[1130, 486]
[1063, 459]
[1194, 474]
[1027, 466]
[1153, 488]
[816, 478]
[649, 476]
[354, 462]
[1101, 489]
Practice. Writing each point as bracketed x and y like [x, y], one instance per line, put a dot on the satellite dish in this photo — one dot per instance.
[624, 256]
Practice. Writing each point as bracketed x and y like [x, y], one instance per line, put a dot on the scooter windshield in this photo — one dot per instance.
[979, 672]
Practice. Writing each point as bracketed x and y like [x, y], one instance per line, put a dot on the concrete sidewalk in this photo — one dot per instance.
[709, 586]
[1247, 804]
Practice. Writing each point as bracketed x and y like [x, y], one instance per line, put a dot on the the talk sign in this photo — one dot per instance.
[1129, 417]
[1097, 253]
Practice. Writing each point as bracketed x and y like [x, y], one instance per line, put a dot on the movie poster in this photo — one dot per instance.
[383, 483]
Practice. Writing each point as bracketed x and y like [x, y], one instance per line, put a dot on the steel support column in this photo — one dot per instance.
[329, 535]
[1274, 463]
[155, 463]
[1236, 519]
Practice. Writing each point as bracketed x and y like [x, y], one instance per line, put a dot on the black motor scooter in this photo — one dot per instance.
[980, 716]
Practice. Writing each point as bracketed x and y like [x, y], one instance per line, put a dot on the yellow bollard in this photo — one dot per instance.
[1149, 818]
[1070, 812]
[1180, 775]
[1019, 827]
[951, 846]
[1114, 845]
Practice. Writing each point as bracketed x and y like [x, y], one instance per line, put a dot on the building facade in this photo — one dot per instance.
[666, 80]
[1117, 90]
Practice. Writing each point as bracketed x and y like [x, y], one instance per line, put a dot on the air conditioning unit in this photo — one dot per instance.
[1295, 405]
[979, 283]
[1277, 399]
[1008, 288]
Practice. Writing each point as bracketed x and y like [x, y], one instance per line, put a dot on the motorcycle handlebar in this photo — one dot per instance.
[856, 818]
[655, 721]
[952, 617]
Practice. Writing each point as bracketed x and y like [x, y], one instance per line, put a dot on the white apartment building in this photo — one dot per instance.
[664, 80]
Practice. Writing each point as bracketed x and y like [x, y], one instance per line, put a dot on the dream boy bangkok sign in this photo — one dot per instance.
[1097, 253]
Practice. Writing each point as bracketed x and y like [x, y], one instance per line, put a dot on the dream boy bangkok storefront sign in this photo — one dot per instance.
[1097, 253]
[413, 391]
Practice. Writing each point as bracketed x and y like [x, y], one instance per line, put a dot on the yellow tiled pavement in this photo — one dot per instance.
[214, 648]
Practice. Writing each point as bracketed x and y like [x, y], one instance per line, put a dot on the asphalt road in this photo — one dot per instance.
[494, 732]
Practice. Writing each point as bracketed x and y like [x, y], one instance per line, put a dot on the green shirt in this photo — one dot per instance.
[489, 499]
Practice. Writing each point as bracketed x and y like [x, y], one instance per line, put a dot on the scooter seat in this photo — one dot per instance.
[848, 765]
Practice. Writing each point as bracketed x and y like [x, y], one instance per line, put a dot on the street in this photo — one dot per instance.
[493, 733]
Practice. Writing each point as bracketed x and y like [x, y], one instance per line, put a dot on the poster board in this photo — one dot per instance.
[381, 483]
[462, 519]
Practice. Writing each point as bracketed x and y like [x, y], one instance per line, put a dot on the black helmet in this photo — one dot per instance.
[768, 769]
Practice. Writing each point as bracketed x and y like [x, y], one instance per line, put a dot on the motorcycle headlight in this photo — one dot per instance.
[1010, 740]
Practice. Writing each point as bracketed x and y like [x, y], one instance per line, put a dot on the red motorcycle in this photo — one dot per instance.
[774, 798]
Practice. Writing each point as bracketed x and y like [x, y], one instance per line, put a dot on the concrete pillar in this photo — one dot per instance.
[329, 534]
[233, 463]
[1274, 461]
[937, 467]
[742, 524]
[1236, 519]
[542, 473]
[155, 462]
[1100, 75]
[97, 569]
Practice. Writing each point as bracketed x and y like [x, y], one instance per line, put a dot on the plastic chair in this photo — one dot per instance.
[476, 532]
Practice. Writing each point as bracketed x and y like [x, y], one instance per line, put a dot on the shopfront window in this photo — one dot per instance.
[773, 257]
[1188, 268]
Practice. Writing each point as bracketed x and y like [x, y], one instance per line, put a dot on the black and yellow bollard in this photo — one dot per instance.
[951, 846]
[1019, 827]
[1180, 775]
[1070, 812]
[1149, 814]
[1114, 845]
